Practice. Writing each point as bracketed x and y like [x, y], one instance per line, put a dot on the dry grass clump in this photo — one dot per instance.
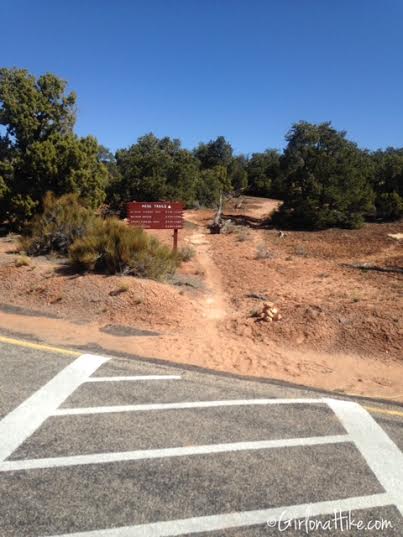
[186, 253]
[121, 288]
[22, 261]
[242, 234]
[300, 250]
[262, 252]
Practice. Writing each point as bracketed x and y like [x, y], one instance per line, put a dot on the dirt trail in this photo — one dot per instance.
[214, 305]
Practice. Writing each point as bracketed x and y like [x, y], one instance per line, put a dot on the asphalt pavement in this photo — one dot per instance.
[99, 446]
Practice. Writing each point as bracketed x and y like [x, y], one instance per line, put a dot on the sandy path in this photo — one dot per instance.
[214, 305]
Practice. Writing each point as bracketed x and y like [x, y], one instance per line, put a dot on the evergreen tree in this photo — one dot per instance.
[39, 151]
[216, 152]
[263, 174]
[326, 179]
[156, 169]
[387, 182]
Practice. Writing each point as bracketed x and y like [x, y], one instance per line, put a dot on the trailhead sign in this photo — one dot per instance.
[155, 214]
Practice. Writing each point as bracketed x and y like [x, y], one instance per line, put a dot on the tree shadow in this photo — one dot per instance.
[248, 221]
[67, 270]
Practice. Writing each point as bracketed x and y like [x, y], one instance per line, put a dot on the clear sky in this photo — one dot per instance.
[196, 69]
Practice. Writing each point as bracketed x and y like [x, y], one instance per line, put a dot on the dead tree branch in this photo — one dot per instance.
[367, 266]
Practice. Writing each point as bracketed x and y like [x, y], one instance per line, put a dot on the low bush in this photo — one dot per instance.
[262, 252]
[242, 234]
[186, 253]
[63, 221]
[113, 247]
[228, 228]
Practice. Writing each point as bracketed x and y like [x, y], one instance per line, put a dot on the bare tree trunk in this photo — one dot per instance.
[217, 224]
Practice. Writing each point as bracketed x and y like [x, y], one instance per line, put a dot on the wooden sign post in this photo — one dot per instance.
[157, 215]
[175, 240]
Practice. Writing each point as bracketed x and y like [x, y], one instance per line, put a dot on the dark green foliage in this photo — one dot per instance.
[63, 221]
[326, 179]
[389, 206]
[39, 152]
[237, 173]
[387, 182]
[112, 247]
[34, 109]
[263, 174]
[221, 172]
[211, 185]
[216, 152]
[59, 164]
[6, 168]
[155, 169]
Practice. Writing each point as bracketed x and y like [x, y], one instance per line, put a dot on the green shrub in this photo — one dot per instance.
[63, 220]
[112, 247]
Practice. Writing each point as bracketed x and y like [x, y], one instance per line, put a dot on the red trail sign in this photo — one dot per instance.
[156, 215]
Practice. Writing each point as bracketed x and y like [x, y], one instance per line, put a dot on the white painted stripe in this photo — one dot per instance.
[102, 458]
[134, 377]
[175, 406]
[382, 455]
[238, 520]
[20, 423]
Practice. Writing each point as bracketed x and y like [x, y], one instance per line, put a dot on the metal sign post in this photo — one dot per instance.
[157, 215]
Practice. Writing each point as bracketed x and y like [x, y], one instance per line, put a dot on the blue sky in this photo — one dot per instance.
[196, 69]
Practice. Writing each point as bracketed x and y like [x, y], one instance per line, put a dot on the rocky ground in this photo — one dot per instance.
[336, 326]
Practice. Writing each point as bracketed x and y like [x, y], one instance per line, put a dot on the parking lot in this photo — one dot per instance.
[97, 446]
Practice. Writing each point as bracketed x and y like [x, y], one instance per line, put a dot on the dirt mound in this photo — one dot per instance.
[93, 297]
